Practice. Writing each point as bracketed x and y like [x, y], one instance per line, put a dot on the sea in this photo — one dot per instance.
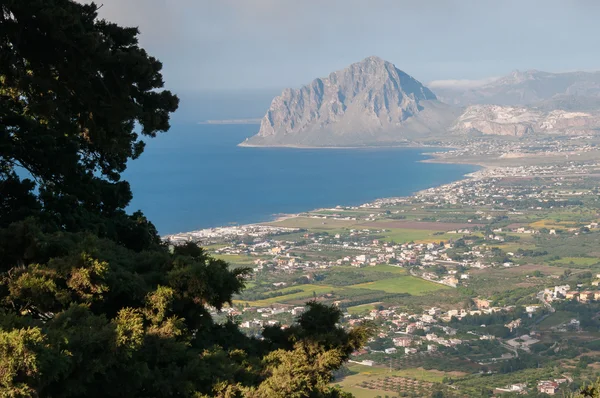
[195, 176]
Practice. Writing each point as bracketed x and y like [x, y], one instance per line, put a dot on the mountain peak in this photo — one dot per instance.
[372, 66]
[368, 102]
[373, 59]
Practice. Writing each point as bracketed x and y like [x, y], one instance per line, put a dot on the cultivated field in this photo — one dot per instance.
[419, 225]
[403, 284]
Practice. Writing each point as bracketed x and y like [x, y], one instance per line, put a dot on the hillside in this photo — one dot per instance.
[519, 121]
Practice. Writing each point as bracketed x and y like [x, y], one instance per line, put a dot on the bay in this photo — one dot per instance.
[195, 176]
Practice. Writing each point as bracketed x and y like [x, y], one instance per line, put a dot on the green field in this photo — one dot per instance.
[581, 261]
[399, 283]
[236, 259]
[403, 284]
[556, 319]
[381, 268]
[359, 309]
[307, 292]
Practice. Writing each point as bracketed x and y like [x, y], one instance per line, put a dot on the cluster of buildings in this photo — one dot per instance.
[213, 235]
[495, 148]
[483, 188]
[429, 330]
[550, 387]
[259, 317]
[564, 292]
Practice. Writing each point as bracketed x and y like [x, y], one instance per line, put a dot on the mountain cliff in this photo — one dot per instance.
[370, 102]
[520, 121]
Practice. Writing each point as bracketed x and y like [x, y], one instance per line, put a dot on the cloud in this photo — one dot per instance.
[214, 44]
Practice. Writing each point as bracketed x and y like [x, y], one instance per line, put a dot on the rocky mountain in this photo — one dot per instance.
[370, 102]
[530, 87]
[520, 121]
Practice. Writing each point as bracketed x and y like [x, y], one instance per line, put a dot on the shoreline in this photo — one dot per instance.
[295, 146]
[278, 217]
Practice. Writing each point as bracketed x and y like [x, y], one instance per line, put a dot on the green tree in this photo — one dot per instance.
[92, 303]
[588, 391]
[78, 94]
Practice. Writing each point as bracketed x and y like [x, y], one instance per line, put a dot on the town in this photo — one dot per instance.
[485, 286]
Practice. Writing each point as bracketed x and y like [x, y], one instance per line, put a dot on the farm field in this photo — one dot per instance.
[580, 261]
[359, 309]
[307, 292]
[552, 224]
[399, 283]
[235, 259]
[419, 225]
[404, 284]
[383, 268]
[313, 223]
[375, 375]
[556, 319]
[409, 235]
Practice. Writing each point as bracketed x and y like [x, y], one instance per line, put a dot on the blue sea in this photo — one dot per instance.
[195, 176]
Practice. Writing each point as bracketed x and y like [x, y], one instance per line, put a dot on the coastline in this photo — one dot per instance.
[296, 146]
[279, 217]
[439, 159]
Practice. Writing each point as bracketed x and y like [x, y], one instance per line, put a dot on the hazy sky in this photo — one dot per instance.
[248, 44]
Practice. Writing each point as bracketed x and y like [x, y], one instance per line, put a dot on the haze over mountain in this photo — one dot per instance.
[370, 102]
[531, 87]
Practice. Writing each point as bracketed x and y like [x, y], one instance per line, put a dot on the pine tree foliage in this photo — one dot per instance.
[91, 302]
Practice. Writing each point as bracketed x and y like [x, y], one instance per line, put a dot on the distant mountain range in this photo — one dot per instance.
[531, 87]
[372, 102]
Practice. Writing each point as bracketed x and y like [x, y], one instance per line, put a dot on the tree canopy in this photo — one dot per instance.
[92, 303]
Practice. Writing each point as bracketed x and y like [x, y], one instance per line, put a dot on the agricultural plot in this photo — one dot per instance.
[420, 225]
[552, 224]
[385, 282]
[235, 259]
[577, 261]
[556, 319]
[313, 223]
[385, 268]
[308, 292]
[362, 308]
[400, 384]
[416, 235]
[404, 284]
[372, 381]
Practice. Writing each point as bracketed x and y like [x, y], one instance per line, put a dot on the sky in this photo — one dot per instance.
[271, 44]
